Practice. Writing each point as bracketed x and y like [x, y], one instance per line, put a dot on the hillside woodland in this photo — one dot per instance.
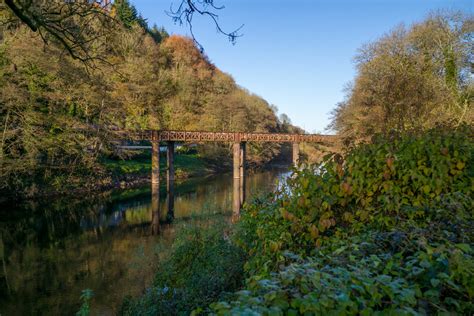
[58, 114]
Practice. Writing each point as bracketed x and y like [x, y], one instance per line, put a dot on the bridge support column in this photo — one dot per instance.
[236, 202]
[155, 159]
[155, 208]
[243, 149]
[155, 183]
[296, 154]
[170, 162]
[170, 180]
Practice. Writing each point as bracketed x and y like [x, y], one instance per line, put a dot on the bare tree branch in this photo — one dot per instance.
[186, 9]
[78, 26]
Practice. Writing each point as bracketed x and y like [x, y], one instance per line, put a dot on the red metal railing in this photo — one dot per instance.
[201, 136]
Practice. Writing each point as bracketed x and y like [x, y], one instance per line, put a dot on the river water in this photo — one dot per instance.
[51, 250]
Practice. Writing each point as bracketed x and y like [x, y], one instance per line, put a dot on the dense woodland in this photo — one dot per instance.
[58, 113]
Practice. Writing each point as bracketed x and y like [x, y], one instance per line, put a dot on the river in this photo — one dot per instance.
[52, 249]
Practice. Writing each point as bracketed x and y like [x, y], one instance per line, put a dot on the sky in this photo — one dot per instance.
[297, 54]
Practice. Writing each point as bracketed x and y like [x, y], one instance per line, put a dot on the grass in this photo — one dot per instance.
[201, 267]
[186, 165]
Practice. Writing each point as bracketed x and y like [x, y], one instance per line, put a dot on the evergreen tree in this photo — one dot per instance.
[158, 34]
[126, 13]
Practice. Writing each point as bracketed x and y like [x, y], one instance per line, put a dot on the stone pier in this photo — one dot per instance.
[155, 159]
[296, 154]
[170, 162]
[170, 180]
[243, 149]
[238, 198]
[155, 184]
[155, 208]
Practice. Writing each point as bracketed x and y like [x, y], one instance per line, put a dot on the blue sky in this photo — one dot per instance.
[297, 54]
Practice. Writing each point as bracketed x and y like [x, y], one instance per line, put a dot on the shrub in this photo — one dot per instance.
[202, 266]
[389, 229]
[406, 179]
[396, 272]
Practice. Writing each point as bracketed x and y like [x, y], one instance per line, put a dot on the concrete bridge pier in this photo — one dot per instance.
[243, 149]
[296, 154]
[155, 208]
[155, 184]
[239, 178]
[170, 180]
[155, 159]
[236, 184]
[155, 179]
[170, 162]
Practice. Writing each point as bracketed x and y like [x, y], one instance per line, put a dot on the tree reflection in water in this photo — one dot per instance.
[110, 242]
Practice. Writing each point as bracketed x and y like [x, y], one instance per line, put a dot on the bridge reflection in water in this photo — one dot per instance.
[239, 141]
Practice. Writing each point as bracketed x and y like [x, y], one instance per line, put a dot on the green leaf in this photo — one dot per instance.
[464, 247]
[434, 282]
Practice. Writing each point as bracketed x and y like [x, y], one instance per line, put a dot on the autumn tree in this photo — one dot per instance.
[411, 79]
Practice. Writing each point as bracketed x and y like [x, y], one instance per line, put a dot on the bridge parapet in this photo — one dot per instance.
[202, 136]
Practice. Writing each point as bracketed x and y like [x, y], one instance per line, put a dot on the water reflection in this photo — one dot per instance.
[110, 242]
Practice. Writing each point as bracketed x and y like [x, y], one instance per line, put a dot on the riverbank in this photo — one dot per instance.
[128, 174]
[115, 174]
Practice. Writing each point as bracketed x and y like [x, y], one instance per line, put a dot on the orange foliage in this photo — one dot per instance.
[185, 53]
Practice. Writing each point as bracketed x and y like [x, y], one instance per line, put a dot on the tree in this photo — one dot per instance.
[158, 34]
[57, 117]
[186, 10]
[77, 26]
[126, 12]
[411, 79]
[285, 119]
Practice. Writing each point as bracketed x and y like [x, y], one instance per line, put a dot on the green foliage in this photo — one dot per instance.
[86, 296]
[158, 34]
[185, 165]
[203, 264]
[381, 185]
[396, 272]
[411, 78]
[388, 228]
[126, 12]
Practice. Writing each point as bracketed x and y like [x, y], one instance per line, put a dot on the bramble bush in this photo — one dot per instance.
[408, 271]
[389, 228]
[412, 179]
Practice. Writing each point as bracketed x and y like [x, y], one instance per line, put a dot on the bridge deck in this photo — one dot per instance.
[200, 136]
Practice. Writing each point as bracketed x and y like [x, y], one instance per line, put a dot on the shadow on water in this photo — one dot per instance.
[111, 242]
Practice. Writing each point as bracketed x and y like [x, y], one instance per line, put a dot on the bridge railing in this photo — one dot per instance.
[203, 136]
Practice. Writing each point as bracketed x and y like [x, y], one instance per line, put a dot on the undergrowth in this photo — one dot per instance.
[386, 229]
